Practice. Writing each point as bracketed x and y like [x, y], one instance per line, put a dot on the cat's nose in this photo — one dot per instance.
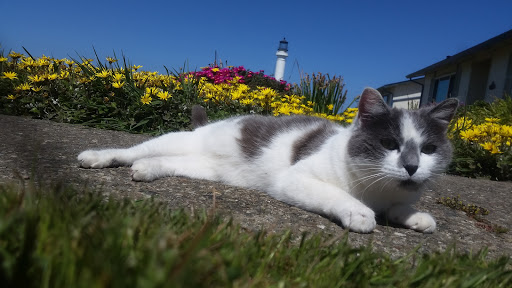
[411, 169]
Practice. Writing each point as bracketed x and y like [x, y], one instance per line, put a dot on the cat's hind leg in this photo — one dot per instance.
[178, 143]
[104, 158]
[192, 166]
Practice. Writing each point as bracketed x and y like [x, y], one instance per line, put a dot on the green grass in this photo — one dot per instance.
[62, 237]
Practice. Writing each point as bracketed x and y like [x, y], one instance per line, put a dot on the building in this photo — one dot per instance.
[405, 94]
[482, 72]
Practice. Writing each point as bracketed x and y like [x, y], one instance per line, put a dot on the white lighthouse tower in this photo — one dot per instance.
[282, 53]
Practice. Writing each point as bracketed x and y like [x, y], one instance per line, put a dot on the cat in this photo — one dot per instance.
[377, 165]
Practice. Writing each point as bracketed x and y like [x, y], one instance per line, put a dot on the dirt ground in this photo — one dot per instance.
[46, 151]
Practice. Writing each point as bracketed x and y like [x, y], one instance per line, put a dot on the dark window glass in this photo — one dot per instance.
[443, 88]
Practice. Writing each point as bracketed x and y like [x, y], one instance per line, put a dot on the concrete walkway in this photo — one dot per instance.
[46, 151]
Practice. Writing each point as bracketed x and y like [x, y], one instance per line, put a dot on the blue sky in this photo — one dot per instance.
[369, 43]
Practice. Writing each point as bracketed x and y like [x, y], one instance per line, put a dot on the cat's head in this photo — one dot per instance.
[405, 146]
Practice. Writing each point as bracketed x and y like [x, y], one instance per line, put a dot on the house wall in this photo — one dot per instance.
[464, 77]
[405, 94]
[410, 101]
[497, 74]
[427, 89]
[499, 67]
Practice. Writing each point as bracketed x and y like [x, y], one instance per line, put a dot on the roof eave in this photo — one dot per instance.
[459, 57]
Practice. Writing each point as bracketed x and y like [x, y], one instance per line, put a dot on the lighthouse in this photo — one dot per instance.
[282, 53]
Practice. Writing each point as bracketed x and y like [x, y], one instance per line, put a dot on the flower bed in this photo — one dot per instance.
[117, 95]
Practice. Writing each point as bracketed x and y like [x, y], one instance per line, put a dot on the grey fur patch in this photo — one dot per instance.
[311, 142]
[199, 117]
[257, 132]
[365, 142]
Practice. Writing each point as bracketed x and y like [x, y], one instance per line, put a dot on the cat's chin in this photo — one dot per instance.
[410, 184]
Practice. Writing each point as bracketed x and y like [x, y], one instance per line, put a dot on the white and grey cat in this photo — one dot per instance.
[377, 165]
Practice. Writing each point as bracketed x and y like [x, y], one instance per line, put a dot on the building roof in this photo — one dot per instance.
[500, 40]
[387, 86]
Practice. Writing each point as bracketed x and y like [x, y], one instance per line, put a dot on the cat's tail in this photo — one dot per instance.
[199, 117]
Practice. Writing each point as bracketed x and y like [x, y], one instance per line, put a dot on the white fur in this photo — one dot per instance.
[324, 182]
[409, 130]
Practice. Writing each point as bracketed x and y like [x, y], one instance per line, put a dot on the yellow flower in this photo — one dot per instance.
[297, 111]
[492, 120]
[111, 60]
[42, 62]
[151, 90]
[495, 150]
[349, 120]
[247, 102]
[470, 134]
[102, 74]
[11, 97]
[487, 146]
[15, 55]
[52, 76]
[64, 74]
[506, 131]
[10, 75]
[35, 78]
[330, 107]
[118, 84]
[3, 59]
[237, 94]
[87, 61]
[135, 68]
[146, 99]
[84, 80]
[164, 95]
[23, 87]
[117, 77]
[37, 89]
[28, 61]
[285, 109]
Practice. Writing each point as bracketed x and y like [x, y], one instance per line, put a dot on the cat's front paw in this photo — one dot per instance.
[144, 170]
[412, 219]
[359, 219]
[421, 222]
[94, 159]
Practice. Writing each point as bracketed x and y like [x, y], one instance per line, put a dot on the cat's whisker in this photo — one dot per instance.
[364, 179]
[431, 183]
[371, 184]
[371, 169]
[382, 188]
[356, 183]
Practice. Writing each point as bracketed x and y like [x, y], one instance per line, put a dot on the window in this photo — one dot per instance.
[508, 78]
[388, 98]
[443, 88]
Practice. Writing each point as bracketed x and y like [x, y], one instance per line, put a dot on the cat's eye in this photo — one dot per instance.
[428, 149]
[389, 144]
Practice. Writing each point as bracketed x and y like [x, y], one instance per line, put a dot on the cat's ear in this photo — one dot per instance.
[445, 110]
[371, 104]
